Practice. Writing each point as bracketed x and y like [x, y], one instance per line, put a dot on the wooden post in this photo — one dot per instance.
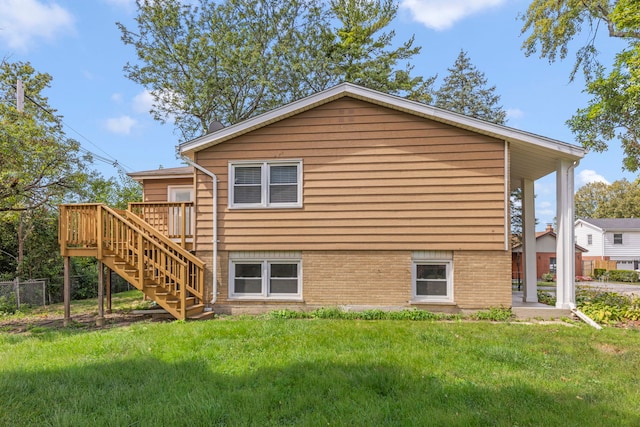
[183, 241]
[100, 319]
[66, 292]
[108, 290]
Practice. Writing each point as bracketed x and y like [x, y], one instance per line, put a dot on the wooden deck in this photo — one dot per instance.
[137, 251]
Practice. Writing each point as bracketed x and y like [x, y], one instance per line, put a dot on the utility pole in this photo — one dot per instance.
[20, 96]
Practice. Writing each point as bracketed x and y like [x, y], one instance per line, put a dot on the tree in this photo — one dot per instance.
[39, 164]
[620, 199]
[361, 54]
[231, 60]
[465, 91]
[612, 112]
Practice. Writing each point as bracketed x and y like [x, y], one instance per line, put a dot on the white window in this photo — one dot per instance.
[269, 184]
[617, 239]
[589, 239]
[432, 281]
[265, 279]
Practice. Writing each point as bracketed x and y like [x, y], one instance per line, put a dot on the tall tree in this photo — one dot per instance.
[361, 52]
[39, 163]
[620, 199]
[612, 112]
[465, 91]
[231, 60]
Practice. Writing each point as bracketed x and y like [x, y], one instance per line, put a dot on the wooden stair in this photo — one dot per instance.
[165, 272]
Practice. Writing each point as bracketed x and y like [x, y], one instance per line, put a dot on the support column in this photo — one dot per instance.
[100, 319]
[565, 244]
[109, 274]
[66, 291]
[530, 273]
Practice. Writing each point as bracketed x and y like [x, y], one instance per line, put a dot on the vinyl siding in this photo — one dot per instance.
[156, 190]
[374, 179]
[595, 248]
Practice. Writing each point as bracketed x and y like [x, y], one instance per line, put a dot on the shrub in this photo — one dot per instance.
[548, 277]
[608, 307]
[8, 304]
[546, 298]
[623, 276]
[599, 272]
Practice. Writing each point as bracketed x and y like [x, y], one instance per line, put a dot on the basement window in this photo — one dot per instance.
[432, 281]
[265, 279]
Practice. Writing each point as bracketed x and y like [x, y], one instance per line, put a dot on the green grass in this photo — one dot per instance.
[259, 371]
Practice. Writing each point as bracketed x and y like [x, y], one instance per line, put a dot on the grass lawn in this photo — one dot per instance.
[256, 371]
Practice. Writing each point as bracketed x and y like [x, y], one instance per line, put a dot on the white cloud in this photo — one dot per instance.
[143, 102]
[514, 113]
[588, 176]
[22, 22]
[116, 97]
[121, 125]
[442, 14]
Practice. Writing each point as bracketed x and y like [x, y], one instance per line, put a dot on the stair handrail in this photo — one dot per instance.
[174, 251]
[154, 238]
[146, 227]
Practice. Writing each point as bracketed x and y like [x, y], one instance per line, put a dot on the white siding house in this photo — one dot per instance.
[615, 239]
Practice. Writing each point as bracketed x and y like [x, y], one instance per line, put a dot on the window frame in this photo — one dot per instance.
[448, 298]
[265, 184]
[589, 239]
[614, 239]
[265, 270]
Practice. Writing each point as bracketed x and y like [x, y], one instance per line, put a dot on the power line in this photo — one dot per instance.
[110, 160]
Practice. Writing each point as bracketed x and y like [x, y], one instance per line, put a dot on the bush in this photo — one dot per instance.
[546, 298]
[608, 307]
[548, 277]
[8, 304]
[623, 275]
[599, 272]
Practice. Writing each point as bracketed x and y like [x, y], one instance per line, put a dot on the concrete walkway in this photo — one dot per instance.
[535, 310]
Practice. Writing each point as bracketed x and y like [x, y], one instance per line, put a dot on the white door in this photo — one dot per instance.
[181, 193]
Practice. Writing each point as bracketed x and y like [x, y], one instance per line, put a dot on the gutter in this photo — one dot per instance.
[214, 178]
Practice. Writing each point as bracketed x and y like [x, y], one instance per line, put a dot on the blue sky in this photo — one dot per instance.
[77, 42]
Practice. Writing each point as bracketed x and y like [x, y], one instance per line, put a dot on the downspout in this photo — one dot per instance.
[214, 178]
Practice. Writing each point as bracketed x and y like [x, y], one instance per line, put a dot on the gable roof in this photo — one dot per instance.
[532, 156]
[542, 234]
[613, 224]
[163, 173]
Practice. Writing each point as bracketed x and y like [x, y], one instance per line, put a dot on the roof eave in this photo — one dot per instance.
[571, 152]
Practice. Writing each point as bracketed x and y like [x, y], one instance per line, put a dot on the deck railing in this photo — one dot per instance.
[173, 219]
[156, 257]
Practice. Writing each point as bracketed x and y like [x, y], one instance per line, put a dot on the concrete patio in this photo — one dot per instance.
[535, 310]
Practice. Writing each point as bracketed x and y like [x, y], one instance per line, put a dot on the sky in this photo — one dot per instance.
[78, 44]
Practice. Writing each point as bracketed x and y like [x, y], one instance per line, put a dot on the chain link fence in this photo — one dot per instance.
[31, 292]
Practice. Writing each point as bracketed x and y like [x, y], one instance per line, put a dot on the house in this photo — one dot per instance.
[349, 197]
[546, 257]
[611, 239]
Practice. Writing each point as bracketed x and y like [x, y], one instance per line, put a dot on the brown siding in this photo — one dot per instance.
[374, 178]
[156, 190]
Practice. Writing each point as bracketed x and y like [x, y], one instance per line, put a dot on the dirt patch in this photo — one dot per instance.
[83, 321]
[610, 349]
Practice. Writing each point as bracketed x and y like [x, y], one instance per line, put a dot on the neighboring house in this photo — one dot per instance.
[611, 239]
[546, 257]
[349, 197]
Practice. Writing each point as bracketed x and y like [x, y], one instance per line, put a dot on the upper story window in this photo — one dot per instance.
[617, 239]
[589, 239]
[268, 184]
